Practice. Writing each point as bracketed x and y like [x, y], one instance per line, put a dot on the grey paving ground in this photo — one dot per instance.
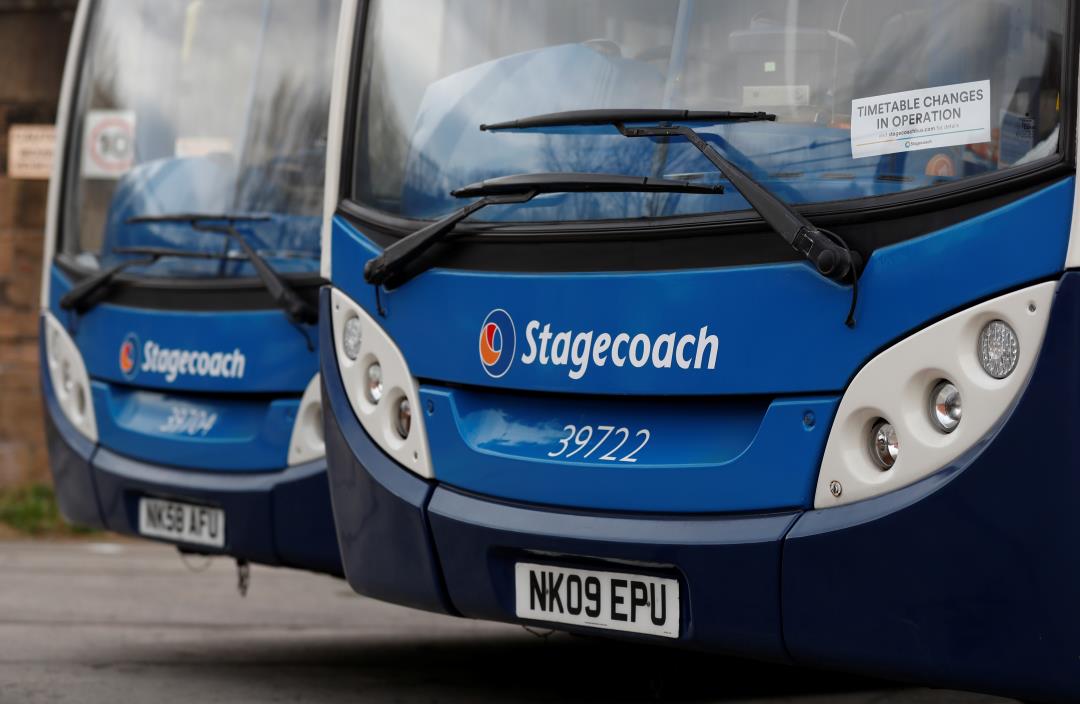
[129, 622]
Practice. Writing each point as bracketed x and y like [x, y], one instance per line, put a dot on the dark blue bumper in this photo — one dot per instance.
[274, 518]
[968, 579]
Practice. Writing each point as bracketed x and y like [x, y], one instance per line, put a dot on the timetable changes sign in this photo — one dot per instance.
[927, 118]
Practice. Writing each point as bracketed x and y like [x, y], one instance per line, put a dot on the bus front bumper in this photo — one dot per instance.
[966, 579]
[274, 518]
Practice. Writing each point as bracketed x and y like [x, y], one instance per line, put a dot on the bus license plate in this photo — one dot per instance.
[611, 600]
[182, 523]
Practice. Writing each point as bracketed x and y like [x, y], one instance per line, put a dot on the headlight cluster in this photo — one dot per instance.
[998, 352]
[380, 388]
[308, 442]
[929, 398]
[70, 381]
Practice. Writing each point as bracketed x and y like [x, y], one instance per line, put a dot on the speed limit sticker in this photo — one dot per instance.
[108, 143]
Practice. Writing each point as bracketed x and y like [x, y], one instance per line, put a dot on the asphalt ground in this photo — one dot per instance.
[122, 622]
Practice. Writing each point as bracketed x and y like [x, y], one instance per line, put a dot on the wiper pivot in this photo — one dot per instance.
[389, 267]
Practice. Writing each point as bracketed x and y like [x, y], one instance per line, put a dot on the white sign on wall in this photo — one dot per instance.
[108, 143]
[928, 118]
[30, 151]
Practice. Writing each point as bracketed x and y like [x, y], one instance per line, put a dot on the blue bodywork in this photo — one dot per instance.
[219, 439]
[963, 579]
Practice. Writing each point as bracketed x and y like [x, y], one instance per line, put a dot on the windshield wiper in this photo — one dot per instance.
[179, 253]
[80, 295]
[389, 268]
[296, 308]
[829, 254]
[575, 118]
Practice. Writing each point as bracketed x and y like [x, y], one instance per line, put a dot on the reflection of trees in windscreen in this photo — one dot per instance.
[603, 155]
[285, 153]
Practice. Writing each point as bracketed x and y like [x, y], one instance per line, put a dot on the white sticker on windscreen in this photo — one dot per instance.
[928, 118]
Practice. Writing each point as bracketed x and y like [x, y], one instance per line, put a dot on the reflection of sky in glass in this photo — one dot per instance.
[435, 69]
[233, 94]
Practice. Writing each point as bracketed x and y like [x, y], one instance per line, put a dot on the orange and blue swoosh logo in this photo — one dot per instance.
[129, 353]
[498, 342]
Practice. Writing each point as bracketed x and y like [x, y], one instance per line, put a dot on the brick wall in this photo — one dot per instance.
[33, 41]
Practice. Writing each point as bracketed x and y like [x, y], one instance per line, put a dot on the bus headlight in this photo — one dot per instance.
[945, 406]
[308, 442]
[999, 349]
[373, 386]
[69, 378]
[884, 447]
[381, 390]
[404, 417]
[351, 338]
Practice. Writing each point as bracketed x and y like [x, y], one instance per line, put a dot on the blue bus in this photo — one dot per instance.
[747, 326]
[179, 294]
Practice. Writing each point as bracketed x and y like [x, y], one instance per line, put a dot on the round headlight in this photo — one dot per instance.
[945, 406]
[403, 421]
[374, 386]
[884, 446]
[350, 340]
[999, 349]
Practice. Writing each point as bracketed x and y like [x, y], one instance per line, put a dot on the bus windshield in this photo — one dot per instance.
[189, 106]
[871, 98]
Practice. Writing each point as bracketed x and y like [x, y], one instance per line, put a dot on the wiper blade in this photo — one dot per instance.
[573, 182]
[573, 118]
[829, 255]
[198, 217]
[178, 253]
[296, 308]
[389, 268]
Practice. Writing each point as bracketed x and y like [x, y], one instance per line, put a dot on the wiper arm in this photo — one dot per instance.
[296, 308]
[829, 255]
[80, 295]
[389, 268]
[78, 298]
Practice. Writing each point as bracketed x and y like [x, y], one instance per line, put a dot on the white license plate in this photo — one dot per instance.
[182, 523]
[611, 600]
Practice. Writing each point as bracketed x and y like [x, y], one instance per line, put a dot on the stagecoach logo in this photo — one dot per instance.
[579, 349]
[498, 341]
[152, 358]
[129, 353]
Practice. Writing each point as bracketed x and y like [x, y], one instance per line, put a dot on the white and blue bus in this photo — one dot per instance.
[749, 326]
[179, 295]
